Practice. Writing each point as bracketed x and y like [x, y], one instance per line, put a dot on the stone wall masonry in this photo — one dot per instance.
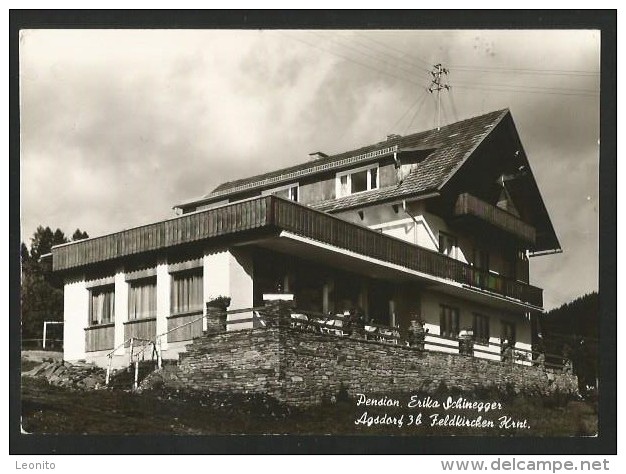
[304, 368]
[238, 361]
[315, 367]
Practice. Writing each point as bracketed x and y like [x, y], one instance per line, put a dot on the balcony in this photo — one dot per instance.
[325, 228]
[470, 206]
[264, 218]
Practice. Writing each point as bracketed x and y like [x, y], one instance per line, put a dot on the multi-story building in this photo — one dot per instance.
[437, 225]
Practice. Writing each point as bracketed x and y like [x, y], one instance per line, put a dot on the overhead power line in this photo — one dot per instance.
[548, 72]
[453, 104]
[398, 74]
[347, 58]
[370, 54]
[397, 122]
[493, 69]
[419, 106]
[559, 89]
[404, 54]
[511, 89]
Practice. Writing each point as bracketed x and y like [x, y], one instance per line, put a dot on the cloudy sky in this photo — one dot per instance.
[118, 126]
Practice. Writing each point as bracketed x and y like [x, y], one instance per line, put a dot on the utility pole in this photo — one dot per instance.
[437, 85]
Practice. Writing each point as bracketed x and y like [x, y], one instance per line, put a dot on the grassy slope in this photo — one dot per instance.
[49, 409]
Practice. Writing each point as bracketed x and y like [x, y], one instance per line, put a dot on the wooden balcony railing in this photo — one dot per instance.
[270, 214]
[188, 228]
[468, 205]
[331, 230]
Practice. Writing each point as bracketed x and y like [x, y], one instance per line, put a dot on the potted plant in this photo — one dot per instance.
[221, 302]
[466, 341]
[216, 313]
[416, 332]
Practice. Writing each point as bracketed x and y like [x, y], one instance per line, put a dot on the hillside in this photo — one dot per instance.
[573, 328]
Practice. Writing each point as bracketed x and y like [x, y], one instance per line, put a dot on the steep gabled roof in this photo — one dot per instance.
[452, 144]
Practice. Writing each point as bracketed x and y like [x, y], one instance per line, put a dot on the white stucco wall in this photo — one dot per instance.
[163, 296]
[121, 308]
[75, 316]
[230, 273]
[430, 310]
[241, 285]
[214, 277]
[215, 274]
[414, 224]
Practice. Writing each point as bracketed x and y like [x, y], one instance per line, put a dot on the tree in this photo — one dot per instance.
[58, 238]
[573, 329]
[43, 239]
[41, 291]
[41, 242]
[25, 255]
[78, 235]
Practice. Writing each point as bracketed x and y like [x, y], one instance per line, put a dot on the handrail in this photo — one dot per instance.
[141, 339]
[179, 326]
[145, 346]
[123, 344]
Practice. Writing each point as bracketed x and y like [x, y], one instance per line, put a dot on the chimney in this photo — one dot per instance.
[393, 136]
[316, 155]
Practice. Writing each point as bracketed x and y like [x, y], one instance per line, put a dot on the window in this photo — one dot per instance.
[186, 291]
[357, 181]
[507, 332]
[288, 192]
[102, 305]
[449, 321]
[447, 244]
[142, 299]
[481, 328]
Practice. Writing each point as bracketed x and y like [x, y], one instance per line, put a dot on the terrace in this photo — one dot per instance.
[281, 315]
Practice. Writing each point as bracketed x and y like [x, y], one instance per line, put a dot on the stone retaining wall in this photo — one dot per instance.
[304, 368]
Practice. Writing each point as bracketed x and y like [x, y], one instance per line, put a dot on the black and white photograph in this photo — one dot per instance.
[307, 231]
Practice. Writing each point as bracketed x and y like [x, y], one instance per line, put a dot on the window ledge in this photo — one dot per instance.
[100, 326]
[358, 193]
[142, 320]
[185, 313]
